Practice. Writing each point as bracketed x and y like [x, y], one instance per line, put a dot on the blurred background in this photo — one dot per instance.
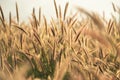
[47, 6]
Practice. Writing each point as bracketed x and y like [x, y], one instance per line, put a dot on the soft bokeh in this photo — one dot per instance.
[26, 6]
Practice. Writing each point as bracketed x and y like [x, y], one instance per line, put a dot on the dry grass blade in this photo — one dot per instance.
[17, 13]
[56, 8]
[2, 13]
[65, 10]
[94, 17]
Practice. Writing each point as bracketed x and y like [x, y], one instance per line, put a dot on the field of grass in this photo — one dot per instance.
[67, 48]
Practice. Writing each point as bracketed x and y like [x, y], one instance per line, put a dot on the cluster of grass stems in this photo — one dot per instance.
[67, 48]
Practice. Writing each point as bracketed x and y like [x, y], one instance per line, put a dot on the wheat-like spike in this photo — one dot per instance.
[80, 31]
[54, 51]
[39, 16]
[60, 13]
[72, 18]
[71, 37]
[65, 10]
[45, 22]
[62, 27]
[35, 19]
[100, 53]
[74, 30]
[109, 23]
[69, 21]
[72, 23]
[20, 28]
[50, 45]
[53, 31]
[54, 26]
[10, 19]
[35, 32]
[3, 23]
[37, 39]
[110, 27]
[21, 42]
[56, 8]
[17, 13]
[33, 11]
[2, 13]
[114, 8]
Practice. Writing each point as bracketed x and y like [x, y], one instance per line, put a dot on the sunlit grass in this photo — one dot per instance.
[64, 49]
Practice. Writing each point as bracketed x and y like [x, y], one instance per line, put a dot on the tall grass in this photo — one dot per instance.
[65, 49]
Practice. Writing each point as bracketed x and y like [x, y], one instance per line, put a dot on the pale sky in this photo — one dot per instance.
[47, 6]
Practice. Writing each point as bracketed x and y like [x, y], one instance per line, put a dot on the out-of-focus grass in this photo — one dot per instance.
[65, 49]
